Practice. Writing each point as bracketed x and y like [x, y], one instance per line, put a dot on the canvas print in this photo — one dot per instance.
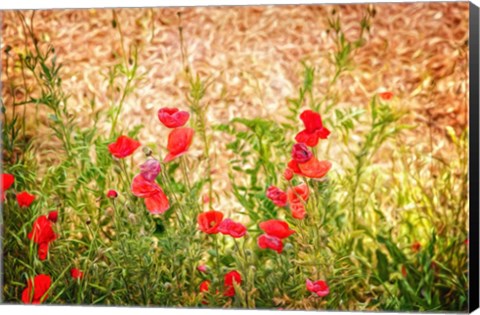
[299, 157]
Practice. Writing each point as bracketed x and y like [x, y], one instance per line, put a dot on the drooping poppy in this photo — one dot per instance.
[276, 228]
[314, 129]
[209, 221]
[155, 199]
[76, 273]
[173, 117]
[150, 169]
[123, 147]
[313, 168]
[266, 241]
[25, 199]
[53, 216]
[234, 229]
[35, 292]
[319, 287]
[277, 196]
[229, 279]
[112, 194]
[386, 96]
[179, 140]
[7, 182]
[301, 153]
[158, 203]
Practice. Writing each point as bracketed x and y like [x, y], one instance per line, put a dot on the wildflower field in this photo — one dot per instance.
[267, 157]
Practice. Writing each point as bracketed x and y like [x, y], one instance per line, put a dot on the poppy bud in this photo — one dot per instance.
[288, 246]
[147, 151]
[53, 216]
[288, 174]
[112, 194]
[167, 285]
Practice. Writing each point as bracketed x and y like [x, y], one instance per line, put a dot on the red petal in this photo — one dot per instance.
[7, 181]
[157, 203]
[315, 168]
[309, 138]
[143, 188]
[311, 120]
[123, 147]
[179, 140]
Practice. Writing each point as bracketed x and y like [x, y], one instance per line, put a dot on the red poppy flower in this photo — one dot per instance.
[386, 96]
[150, 169]
[288, 174]
[234, 229]
[172, 117]
[25, 199]
[53, 216]
[404, 271]
[42, 231]
[416, 246]
[112, 194]
[277, 196]
[35, 292]
[123, 147]
[276, 228]
[301, 153]
[204, 286]
[229, 279]
[155, 199]
[209, 221]
[298, 210]
[76, 273]
[298, 193]
[314, 129]
[265, 241]
[42, 234]
[319, 287]
[179, 140]
[312, 169]
[7, 181]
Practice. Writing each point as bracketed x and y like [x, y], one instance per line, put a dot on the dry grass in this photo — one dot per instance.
[418, 51]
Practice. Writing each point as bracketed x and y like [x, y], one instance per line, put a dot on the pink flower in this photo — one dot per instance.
[277, 196]
[202, 268]
[301, 153]
[150, 169]
[319, 287]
